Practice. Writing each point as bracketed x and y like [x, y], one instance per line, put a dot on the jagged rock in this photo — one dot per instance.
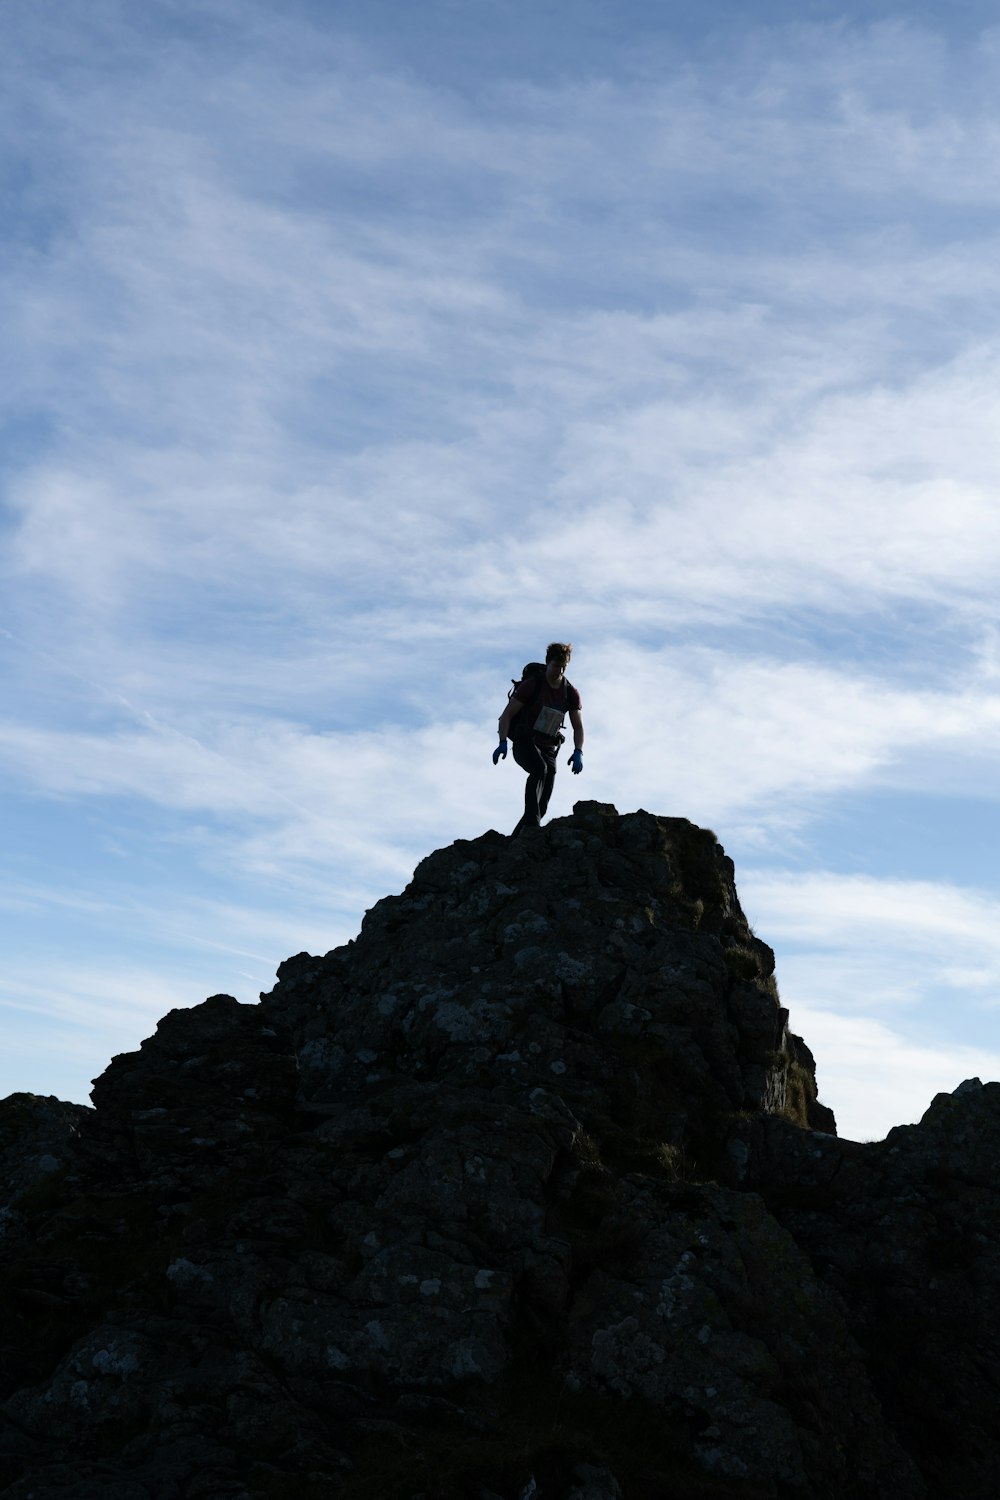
[907, 1232]
[36, 1140]
[526, 1191]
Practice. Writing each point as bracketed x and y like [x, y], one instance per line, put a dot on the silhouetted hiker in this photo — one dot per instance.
[537, 707]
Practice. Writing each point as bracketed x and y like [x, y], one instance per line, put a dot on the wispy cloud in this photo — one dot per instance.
[856, 942]
[838, 909]
[894, 983]
[59, 1034]
[876, 1076]
[725, 739]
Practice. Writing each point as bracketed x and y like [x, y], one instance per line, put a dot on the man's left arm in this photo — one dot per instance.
[576, 719]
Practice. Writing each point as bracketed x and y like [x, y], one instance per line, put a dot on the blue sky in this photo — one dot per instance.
[353, 351]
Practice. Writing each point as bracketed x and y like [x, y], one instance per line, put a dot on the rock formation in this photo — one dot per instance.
[526, 1192]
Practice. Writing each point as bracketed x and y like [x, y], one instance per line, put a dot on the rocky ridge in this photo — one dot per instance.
[526, 1192]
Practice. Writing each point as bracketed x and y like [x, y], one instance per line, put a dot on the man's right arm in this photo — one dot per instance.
[514, 706]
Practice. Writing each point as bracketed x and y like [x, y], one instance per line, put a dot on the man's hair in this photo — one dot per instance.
[558, 651]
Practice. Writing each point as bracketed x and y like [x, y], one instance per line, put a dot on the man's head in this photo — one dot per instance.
[557, 655]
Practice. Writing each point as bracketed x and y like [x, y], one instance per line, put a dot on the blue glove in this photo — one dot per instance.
[576, 761]
[500, 753]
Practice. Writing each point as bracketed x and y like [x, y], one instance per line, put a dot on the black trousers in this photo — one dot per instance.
[540, 763]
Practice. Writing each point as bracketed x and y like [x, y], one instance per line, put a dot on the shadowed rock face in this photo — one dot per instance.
[525, 1192]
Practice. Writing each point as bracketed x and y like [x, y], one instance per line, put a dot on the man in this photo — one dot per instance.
[536, 710]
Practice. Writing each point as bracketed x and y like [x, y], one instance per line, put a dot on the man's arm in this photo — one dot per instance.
[576, 719]
[514, 706]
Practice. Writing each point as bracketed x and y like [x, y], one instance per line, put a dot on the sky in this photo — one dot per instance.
[354, 350]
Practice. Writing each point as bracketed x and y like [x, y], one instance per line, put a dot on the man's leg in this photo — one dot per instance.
[531, 760]
[551, 758]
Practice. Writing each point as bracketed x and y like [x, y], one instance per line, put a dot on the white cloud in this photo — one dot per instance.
[873, 1076]
[353, 386]
[831, 910]
[61, 1029]
[722, 739]
[893, 983]
[729, 739]
[96, 1000]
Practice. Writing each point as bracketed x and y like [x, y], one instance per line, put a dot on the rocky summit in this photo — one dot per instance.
[524, 1194]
